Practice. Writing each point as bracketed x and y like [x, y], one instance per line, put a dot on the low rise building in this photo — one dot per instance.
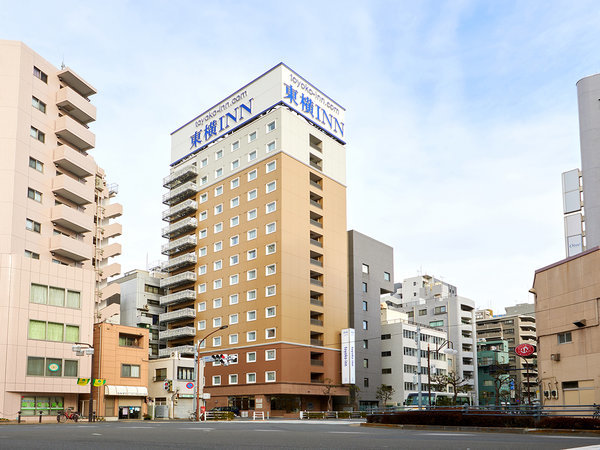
[494, 378]
[171, 386]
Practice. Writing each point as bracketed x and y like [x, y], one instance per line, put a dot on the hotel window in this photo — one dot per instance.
[270, 291]
[234, 183]
[439, 310]
[216, 380]
[251, 336]
[233, 378]
[436, 323]
[564, 338]
[219, 172]
[218, 190]
[39, 74]
[35, 164]
[204, 162]
[423, 312]
[201, 306]
[202, 288]
[203, 180]
[365, 287]
[365, 343]
[251, 275]
[218, 284]
[218, 246]
[270, 333]
[38, 104]
[271, 186]
[234, 202]
[217, 303]
[32, 255]
[203, 216]
[202, 344]
[271, 166]
[251, 315]
[251, 357]
[218, 154]
[270, 126]
[32, 225]
[202, 325]
[251, 234]
[365, 268]
[270, 228]
[365, 306]
[251, 215]
[365, 325]
[270, 146]
[270, 355]
[235, 146]
[235, 164]
[365, 363]
[271, 269]
[251, 254]
[218, 227]
[234, 240]
[130, 371]
[250, 378]
[202, 233]
[234, 221]
[252, 155]
[234, 279]
[219, 208]
[386, 276]
[252, 194]
[202, 252]
[252, 175]
[252, 136]
[34, 195]
[271, 207]
[233, 338]
[270, 376]
[234, 299]
[234, 259]
[233, 319]
[270, 249]
[37, 134]
[270, 311]
[216, 322]
[203, 197]
[217, 341]
[251, 295]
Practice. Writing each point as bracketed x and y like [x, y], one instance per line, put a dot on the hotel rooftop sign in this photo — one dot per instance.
[279, 85]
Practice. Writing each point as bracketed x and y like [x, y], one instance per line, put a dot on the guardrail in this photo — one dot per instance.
[332, 415]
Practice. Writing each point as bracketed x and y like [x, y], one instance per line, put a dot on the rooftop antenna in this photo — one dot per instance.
[62, 65]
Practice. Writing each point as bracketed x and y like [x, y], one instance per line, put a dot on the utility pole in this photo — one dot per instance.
[419, 385]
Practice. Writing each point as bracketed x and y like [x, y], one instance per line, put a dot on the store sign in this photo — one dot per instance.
[53, 367]
[279, 85]
[525, 350]
[348, 358]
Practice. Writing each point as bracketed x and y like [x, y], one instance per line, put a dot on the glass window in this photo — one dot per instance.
[216, 380]
[203, 197]
[270, 146]
[251, 315]
[218, 246]
[37, 134]
[38, 104]
[252, 155]
[70, 368]
[202, 269]
[72, 333]
[217, 303]
[233, 299]
[217, 341]
[251, 357]
[251, 215]
[55, 332]
[218, 265]
[365, 268]
[270, 126]
[235, 146]
[270, 228]
[218, 190]
[54, 367]
[234, 202]
[233, 319]
[219, 208]
[35, 366]
[185, 373]
[271, 166]
[202, 252]
[271, 207]
[32, 225]
[365, 325]
[202, 325]
[218, 154]
[56, 297]
[271, 186]
[270, 355]
[365, 287]
[251, 274]
[252, 175]
[270, 376]
[39, 74]
[270, 311]
[233, 378]
[251, 336]
[270, 333]
[564, 338]
[252, 194]
[250, 378]
[233, 338]
[386, 276]
[270, 269]
[270, 291]
[234, 279]
[37, 330]
[234, 240]
[251, 295]
[218, 284]
[251, 234]
[34, 195]
[251, 254]
[38, 294]
[234, 183]
[201, 306]
[270, 249]
[218, 172]
[252, 136]
[234, 259]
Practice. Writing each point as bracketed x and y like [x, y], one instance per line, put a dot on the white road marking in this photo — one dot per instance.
[568, 437]
[142, 428]
[591, 447]
[449, 433]
[278, 431]
[196, 429]
[96, 434]
[347, 432]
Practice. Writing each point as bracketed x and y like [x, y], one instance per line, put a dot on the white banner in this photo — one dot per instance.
[348, 358]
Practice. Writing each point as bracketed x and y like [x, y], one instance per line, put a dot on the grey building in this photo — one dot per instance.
[371, 268]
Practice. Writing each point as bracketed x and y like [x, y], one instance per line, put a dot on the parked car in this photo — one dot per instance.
[232, 409]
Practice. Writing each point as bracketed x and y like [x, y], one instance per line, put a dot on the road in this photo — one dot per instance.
[268, 434]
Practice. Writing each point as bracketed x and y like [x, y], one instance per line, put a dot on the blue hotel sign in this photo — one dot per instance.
[280, 85]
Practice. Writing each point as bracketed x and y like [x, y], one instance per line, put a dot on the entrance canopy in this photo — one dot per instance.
[131, 391]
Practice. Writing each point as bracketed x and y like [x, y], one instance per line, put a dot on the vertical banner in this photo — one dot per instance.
[348, 358]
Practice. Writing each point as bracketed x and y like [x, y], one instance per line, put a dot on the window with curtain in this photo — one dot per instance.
[70, 368]
[37, 330]
[73, 299]
[53, 367]
[38, 294]
[56, 297]
[35, 366]
[71, 333]
[55, 332]
[130, 371]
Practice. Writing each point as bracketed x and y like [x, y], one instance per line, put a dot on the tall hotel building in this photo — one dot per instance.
[257, 243]
[54, 234]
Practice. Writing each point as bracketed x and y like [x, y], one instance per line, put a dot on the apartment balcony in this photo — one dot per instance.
[113, 210]
[71, 79]
[181, 227]
[72, 161]
[70, 248]
[180, 176]
[467, 354]
[466, 340]
[317, 342]
[143, 320]
[110, 270]
[73, 190]
[179, 245]
[316, 322]
[74, 133]
[177, 280]
[111, 290]
[181, 349]
[112, 250]
[180, 314]
[316, 362]
[316, 302]
[179, 262]
[467, 367]
[178, 297]
[180, 210]
[75, 105]
[177, 333]
[112, 230]
[180, 193]
[72, 219]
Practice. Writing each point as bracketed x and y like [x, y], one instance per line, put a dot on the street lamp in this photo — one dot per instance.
[197, 367]
[81, 349]
[448, 351]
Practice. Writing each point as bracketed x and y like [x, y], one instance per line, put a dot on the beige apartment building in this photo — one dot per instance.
[55, 234]
[567, 296]
[257, 243]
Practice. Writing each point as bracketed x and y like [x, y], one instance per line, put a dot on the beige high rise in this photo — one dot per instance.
[257, 229]
[54, 233]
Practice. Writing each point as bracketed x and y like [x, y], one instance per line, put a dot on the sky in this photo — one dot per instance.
[460, 115]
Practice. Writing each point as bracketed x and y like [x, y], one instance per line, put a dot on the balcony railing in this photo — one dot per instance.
[316, 362]
[178, 228]
[72, 103]
[181, 261]
[180, 175]
[184, 313]
[315, 203]
[179, 245]
[72, 218]
[74, 133]
[316, 322]
[180, 193]
[318, 342]
[180, 210]
[316, 282]
[73, 161]
[316, 223]
[315, 184]
[181, 349]
[317, 302]
[315, 242]
[177, 333]
[316, 262]
[178, 280]
[178, 297]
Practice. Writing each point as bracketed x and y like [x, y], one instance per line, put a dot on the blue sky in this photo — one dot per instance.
[461, 115]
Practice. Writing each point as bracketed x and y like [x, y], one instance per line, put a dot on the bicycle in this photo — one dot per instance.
[67, 414]
[596, 414]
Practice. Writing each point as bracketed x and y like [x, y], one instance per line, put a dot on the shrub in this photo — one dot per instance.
[571, 423]
[452, 418]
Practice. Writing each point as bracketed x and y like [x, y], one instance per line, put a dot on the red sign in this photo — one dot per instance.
[525, 350]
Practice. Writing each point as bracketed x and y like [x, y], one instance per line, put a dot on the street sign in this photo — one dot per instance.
[189, 385]
[525, 350]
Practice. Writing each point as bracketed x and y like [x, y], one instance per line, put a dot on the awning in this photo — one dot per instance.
[131, 391]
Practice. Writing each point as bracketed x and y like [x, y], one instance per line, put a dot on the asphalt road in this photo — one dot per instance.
[268, 434]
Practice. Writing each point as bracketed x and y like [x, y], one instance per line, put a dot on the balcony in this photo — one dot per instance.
[70, 248]
[72, 219]
[316, 302]
[177, 333]
[73, 190]
[110, 270]
[184, 313]
[143, 320]
[180, 176]
[70, 78]
[72, 161]
[111, 250]
[179, 245]
[315, 242]
[112, 230]
[113, 210]
[112, 290]
[316, 362]
[316, 322]
[179, 262]
[74, 133]
[180, 193]
[316, 262]
[181, 349]
[178, 280]
[182, 209]
[317, 342]
[75, 105]
[178, 228]
[178, 297]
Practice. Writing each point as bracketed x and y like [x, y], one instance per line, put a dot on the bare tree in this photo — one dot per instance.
[500, 374]
[385, 393]
[327, 390]
[354, 391]
[458, 384]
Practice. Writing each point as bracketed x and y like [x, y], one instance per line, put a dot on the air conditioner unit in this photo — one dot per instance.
[554, 393]
[174, 354]
[555, 356]
[546, 394]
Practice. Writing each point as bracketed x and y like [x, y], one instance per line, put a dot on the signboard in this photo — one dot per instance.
[189, 385]
[348, 359]
[278, 86]
[525, 350]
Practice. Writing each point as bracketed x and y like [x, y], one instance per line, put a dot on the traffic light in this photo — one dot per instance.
[166, 385]
[221, 359]
[170, 385]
